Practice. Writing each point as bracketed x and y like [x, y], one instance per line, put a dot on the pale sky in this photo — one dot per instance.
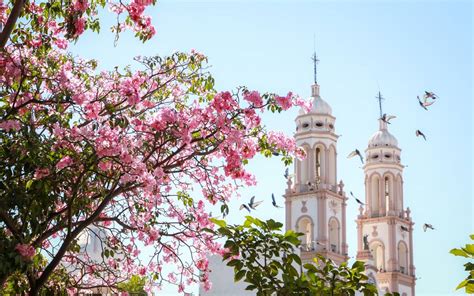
[399, 47]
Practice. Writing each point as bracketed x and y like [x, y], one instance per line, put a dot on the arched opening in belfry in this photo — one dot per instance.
[318, 164]
[334, 235]
[305, 226]
[387, 194]
[374, 195]
[403, 257]
[377, 250]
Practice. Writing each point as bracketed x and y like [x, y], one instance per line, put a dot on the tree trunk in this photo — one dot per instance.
[10, 24]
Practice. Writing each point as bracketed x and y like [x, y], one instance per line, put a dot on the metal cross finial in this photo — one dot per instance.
[380, 98]
[315, 61]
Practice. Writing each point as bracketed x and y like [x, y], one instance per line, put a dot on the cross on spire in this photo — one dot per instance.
[380, 98]
[315, 61]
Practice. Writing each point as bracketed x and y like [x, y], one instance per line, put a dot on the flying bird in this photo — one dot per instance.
[244, 206]
[287, 173]
[253, 204]
[386, 118]
[274, 202]
[421, 103]
[419, 133]
[430, 94]
[403, 228]
[357, 200]
[354, 153]
[427, 226]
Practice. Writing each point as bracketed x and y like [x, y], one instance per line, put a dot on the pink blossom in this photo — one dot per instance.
[64, 162]
[41, 173]
[284, 102]
[9, 125]
[254, 98]
[79, 25]
[26, 251]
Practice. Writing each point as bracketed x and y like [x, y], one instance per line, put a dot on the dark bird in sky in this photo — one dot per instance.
[244, 206]
[430, 94]
[403, 228]
[357, 200]
[427, 226]
[419, 133]
[251, 205]
[354, 153]
[274, 202]
[421, 103]
[287, 173]
[386, 118]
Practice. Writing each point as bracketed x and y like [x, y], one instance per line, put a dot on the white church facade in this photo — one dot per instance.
[315, 205]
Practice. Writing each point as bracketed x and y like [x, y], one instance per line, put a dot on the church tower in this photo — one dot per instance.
[384, 227]
[315, 203]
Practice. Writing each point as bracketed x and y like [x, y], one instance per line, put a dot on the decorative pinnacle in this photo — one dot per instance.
[380, 98]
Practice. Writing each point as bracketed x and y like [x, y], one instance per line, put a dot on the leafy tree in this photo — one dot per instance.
[467, 252]
[114, 156]
[265, 258]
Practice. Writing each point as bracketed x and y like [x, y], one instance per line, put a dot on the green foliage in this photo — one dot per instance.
[134, 285]
[265, 258]
[468, 252]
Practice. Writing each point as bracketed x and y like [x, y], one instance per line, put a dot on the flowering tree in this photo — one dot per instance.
[129, 159]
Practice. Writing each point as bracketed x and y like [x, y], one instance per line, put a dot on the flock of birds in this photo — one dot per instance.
[429, 98]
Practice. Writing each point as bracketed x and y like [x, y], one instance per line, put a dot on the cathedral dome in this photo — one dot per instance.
[320, 106]
[382, 137]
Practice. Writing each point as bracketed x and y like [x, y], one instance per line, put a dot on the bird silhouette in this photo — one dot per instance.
[287, 173]
[244, 206]
[427, 226]
[354, 153]
[430, 94]
[357, 200]
[274, 202]
[403, 228]
[386, 118]
[421, 103]
[251, 205]
[419, 133]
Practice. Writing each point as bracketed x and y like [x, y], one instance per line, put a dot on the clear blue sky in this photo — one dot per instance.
[403, 47]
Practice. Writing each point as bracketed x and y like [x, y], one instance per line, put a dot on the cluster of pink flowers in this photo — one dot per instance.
[26, 251]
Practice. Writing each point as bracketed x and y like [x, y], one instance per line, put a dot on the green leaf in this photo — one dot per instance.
[239, 275]
[458, 252]
[462, 284]
[29, 183]
[220, 223]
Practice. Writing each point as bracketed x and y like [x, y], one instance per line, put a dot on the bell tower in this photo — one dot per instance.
[315, 202]
[384, 226]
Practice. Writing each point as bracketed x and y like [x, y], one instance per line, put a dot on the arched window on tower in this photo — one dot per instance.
[334, 230]
[305, 226]
[377, 250]
[403, 257]
[374, 195]
[318, 165]
[387, 193]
